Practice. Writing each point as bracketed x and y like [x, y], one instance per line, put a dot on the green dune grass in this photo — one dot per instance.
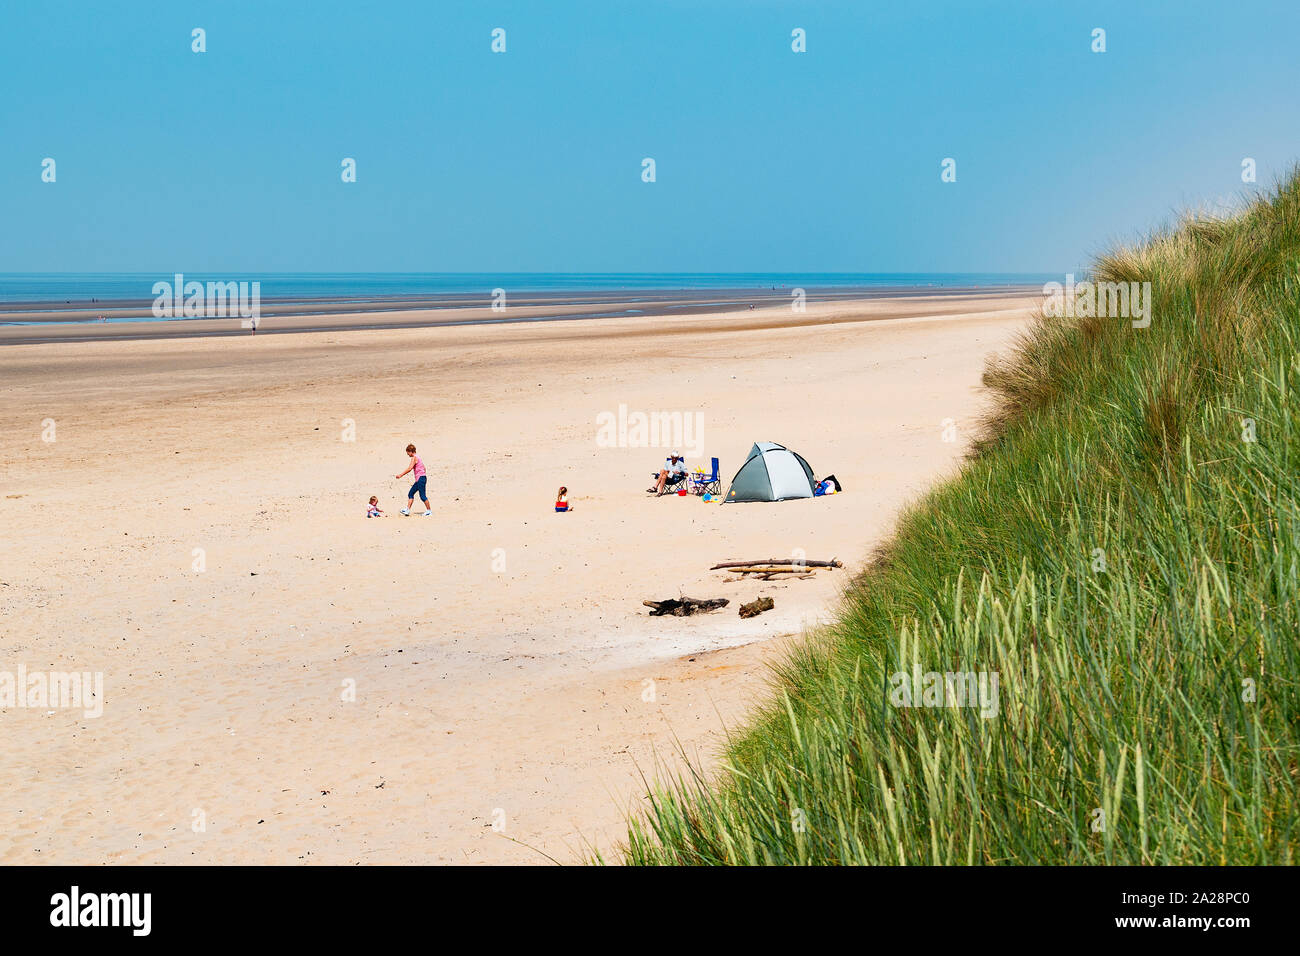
[1121, 552]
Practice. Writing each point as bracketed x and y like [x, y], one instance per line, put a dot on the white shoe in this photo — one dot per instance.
[428, 514]
[405, 512]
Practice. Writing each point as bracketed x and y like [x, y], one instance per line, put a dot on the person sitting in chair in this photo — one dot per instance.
[674, 473]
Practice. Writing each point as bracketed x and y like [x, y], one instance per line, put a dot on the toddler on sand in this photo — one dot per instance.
[373, 510]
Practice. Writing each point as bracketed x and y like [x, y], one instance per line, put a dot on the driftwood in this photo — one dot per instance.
[773, 572]
[684, 607]
[775, 569]
[755, 608]
[798, 572]
[786, 562]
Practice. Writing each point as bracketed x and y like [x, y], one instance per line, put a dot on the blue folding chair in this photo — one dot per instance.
[707, 484]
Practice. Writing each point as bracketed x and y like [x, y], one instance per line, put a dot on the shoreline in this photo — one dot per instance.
[19, 328]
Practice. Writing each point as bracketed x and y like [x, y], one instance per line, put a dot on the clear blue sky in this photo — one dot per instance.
[530, 160]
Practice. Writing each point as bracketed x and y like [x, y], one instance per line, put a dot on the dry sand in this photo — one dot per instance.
[499, 651]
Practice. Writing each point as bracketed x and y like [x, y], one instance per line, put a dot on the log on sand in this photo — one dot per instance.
[755, 608]
[786, 562]
[774, 570]
[684, 607]
[760, 574]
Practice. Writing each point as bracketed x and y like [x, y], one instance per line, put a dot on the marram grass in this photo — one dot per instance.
[1121, 553]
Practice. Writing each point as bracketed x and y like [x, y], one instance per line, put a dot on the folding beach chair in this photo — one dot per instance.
[671, 487]
[702, 484]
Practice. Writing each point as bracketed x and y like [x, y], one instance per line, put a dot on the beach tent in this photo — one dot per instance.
[772, 472]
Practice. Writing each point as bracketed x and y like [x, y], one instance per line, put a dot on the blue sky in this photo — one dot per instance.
[766, 160]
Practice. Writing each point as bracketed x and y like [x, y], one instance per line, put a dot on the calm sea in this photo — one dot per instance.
[84, 288]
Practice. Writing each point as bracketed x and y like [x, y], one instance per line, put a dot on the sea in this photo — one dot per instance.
[87, 288]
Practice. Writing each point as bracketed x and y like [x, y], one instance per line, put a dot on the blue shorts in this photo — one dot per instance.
[419, 486]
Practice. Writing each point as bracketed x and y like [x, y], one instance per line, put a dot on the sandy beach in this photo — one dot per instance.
[286, 681]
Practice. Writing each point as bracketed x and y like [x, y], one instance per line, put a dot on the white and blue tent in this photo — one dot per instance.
[772, 472]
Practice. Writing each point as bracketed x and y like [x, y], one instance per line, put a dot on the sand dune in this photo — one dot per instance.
[499, 651]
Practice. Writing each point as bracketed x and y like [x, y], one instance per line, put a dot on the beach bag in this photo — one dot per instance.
[824, 486]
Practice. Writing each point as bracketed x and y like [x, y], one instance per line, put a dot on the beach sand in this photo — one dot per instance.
[196, 532]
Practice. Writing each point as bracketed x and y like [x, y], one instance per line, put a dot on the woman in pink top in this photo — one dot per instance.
[416, 466]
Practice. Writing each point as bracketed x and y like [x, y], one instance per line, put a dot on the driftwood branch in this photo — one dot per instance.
[832, 563]
[755, 608]
[760, 575]
[684, 607]
[772, 570]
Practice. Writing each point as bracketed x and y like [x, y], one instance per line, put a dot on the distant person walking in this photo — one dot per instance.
[416, 466]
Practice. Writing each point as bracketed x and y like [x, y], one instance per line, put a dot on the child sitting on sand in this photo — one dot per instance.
[562, 499]
[373, 511]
